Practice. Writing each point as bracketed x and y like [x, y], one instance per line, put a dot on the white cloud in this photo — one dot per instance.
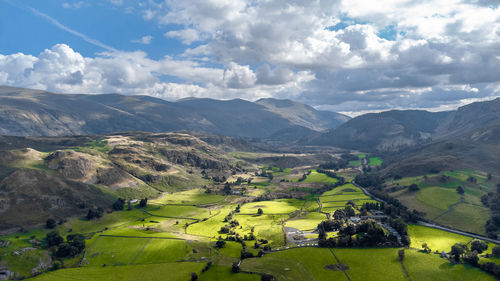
[74, 5]
[346, 54]
[144, 40]
[187, 36]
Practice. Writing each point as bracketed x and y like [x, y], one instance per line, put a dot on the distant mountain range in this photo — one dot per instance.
[25, 112]
[419, 142]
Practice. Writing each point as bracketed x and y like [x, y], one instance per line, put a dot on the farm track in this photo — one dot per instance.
[321, 207]
[338, 261]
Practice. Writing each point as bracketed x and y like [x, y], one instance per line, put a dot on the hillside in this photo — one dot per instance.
[385, 131]
[25, 112]
[304, 115]
[70, 179]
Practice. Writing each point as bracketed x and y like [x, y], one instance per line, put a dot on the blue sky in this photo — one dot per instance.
[348, 56]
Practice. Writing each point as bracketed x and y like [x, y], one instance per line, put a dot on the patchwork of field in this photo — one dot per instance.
[338, 197]
[175, 235]
[362, 264]
[438, 198]
[315, 177]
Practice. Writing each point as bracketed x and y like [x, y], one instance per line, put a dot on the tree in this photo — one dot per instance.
[50, 223]
[194, 276]
[235, 268]
[260, 212]
[471, 258]
[457, 251]
[227, 188]
[426, 248]
[53, 239]
[478, 246]
[460, 190]
[118, 205]
[220, 244]
[143, 203]
[413, 187]
[496, 251]
[349, 211]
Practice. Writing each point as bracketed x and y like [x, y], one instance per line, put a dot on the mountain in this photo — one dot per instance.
[25, 112]
[390, 130]
[72, 177]
[304, 115]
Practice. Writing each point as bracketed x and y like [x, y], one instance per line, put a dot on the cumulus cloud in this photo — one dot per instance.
[146, 40]
[187, 36]
[347, 55]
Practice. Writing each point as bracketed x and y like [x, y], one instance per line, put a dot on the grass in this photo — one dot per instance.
[225, 273]
[430, 267]
[440, 202]
[190, 197]
[436, 239]
[163, 250]
[306, 222]
[314, 176]
[296, 264]
[281, 206]
[114, 250]
[371, 264]
[143, 272]
[375, 161]
[355, 163]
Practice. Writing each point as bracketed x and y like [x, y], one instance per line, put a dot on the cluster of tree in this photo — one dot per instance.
[492, 200]
[95, 213]
[372, 181]
[332, 175]
[265, 174]
[365, 233]
[74, 245]
[304, 176]
[335, 165]
[460, 252]
[395, 208]
[119, 204]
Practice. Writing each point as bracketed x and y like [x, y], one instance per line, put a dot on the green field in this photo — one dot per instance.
[314, 176]
[436, 239]
[374, 161]
[143, 272]
[441, 203]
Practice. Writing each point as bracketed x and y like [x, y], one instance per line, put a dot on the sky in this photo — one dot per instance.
[349, 56]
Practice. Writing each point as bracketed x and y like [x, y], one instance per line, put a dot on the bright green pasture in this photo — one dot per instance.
[296, 264]
[189, 197]
[314, 176]
[267, 227]
[430, 267]
[178, 211]
[280, 206]
[211, 227]
[225, 273]
[374, 161]
[163, 250]
[436, 239]
[110, 221]
[114, 250]
[307, 222]
[371, 264]
[467, 217]
[143, 272]
[355, 163]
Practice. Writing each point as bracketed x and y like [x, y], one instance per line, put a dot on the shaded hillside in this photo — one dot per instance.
[384, 131]
[70, 180]
[304, 115]
[25, 112]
